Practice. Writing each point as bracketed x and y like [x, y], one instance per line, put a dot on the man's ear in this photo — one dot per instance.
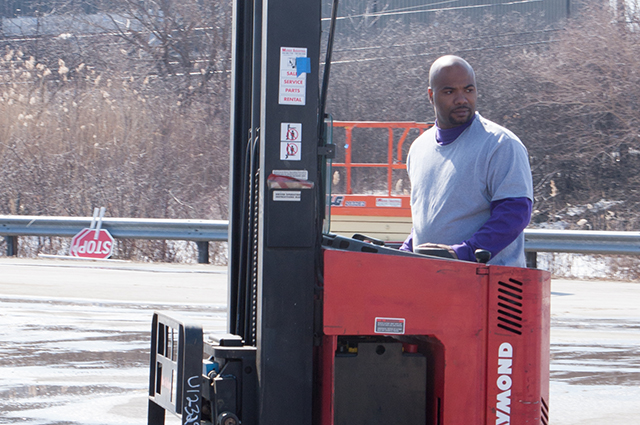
[430, 92]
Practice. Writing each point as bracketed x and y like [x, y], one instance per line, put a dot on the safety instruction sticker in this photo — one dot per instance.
[293, 84]
[389, 325]
[287, 195]
[290, 151]
[296, 174]
[290, 132]
[290, 141]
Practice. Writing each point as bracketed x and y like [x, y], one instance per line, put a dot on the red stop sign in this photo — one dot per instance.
[91, 243]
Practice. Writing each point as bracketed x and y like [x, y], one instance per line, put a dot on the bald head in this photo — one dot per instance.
[452, 91]
[441, 64]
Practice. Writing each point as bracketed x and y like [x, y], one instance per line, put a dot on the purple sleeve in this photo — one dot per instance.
[508, 219]
[407, 245]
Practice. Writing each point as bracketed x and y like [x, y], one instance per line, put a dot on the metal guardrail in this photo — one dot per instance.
[582, 241]
[579, 242]
[200, 231]
[204, 231]
[129, 228]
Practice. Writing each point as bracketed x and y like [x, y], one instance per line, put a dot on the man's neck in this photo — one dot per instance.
[444, 136]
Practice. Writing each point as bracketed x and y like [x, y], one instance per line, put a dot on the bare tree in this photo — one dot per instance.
[189, 39]
[570, 91]
[581, 115]
[91, 116]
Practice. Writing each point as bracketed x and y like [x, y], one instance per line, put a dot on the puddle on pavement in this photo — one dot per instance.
[608, 352]
[55, 354]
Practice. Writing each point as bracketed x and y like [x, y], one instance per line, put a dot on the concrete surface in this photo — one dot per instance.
[74, 338]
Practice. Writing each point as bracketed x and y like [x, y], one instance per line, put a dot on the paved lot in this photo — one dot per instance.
[74, 340]
[74, 335]
[595, 348]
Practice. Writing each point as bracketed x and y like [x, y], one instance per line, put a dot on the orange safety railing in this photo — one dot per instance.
[394, 162]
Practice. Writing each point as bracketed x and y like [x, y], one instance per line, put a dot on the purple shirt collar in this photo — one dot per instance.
[444, 136]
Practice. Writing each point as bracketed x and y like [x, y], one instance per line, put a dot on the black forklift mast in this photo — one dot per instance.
[274, 222]
[263, 372]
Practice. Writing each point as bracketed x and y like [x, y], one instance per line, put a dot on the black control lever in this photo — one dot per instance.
[434, 251]
[365, 238]
[482, 256]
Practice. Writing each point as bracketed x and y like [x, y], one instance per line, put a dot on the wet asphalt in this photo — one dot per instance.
[74, 340]
[75, 336]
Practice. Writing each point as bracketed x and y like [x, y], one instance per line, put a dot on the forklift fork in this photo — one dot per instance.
[201, 382]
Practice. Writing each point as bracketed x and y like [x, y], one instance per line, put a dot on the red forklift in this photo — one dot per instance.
[332, 330]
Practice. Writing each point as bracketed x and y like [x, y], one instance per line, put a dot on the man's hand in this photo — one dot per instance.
[436, 250]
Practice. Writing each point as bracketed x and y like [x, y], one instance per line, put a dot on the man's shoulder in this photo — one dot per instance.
[427, 138]
[494, 129]
[428, 134]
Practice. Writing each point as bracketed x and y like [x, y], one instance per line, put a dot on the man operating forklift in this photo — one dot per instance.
[471, 185]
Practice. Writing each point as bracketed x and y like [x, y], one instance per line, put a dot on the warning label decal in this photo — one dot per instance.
[287, 195]
[389, 325]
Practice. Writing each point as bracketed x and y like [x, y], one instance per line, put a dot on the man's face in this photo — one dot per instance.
[453, 95]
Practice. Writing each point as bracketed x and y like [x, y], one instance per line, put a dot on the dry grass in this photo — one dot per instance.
[74, 139]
